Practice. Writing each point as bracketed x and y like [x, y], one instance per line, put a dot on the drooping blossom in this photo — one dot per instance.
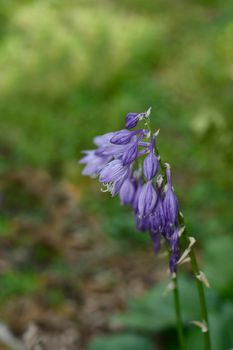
[128, 164]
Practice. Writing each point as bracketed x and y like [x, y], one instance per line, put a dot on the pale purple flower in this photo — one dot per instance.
[114, 171]
[130, 154]
[94, 163]
[147, 199]
[131, 120]
[157, 219]
[127, 192]
[122, 137]
[150, 166]
[170, 202]
[103, 139]
[142, 223]
[174, 247]
[114, 161]
[156, 239]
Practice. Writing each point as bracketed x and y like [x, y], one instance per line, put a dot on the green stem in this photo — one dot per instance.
[179, 323]
[201, 294]
[176, 297]
[196, 271]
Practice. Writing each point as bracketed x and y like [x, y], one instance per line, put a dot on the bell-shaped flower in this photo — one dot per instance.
[142, 223]
[157, 220]
[130, 154]
[94, 163]
[103, 139]
[122, 137]
[150, 166]
[114, 171]
[170, 202]
[127, 192]
[131, 120]
[156, 239]
[147, 199]
[174, 248]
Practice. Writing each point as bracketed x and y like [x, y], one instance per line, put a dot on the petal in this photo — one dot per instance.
[130, 154]
[131, 120]
[147, 199]
[127, 192]
[150, 166]
[121, 137]
[113, 171]
[170, 206]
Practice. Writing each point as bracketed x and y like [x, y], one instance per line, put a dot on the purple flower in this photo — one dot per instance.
[174, 247]
[131, 120]
[103, 139]
[122, 137]
[150, 166]
[156, 238]
[147, 199]
[170, 202]
[130, 154]
[127, 192]
[157, 220]
[136, 196]
[93, 163]
[142, 223]
[114, 171]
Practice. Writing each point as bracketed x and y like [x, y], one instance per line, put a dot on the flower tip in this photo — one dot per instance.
[148, 112]
[167, 165]
[156, 133]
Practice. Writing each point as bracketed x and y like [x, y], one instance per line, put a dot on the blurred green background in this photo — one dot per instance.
[70, 70]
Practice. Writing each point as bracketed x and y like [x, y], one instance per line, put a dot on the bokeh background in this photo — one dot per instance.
[71, 263]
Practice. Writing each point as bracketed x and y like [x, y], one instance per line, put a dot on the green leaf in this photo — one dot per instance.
[121, 342]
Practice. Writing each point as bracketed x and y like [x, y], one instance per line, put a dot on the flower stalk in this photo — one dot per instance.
[199, 284]
[146, 186]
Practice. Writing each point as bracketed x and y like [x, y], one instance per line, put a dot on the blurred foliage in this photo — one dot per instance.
[71, 70]
[123, 342]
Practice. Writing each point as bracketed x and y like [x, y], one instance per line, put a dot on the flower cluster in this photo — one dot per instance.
[127, 163]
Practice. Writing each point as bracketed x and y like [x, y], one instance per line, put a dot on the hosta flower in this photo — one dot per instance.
[170, 202]
[142, 223]
[132, 119]
[117, 161]
[147, 199]
[127, 192]
[150, 166]
[130, 154]
[122, 137]
[114, 171]
[93, 163]
[174, 247]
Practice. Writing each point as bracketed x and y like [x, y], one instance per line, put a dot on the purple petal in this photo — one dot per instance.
[93, 163]
[157, 217]
[113, 171]
[175, 250]
[122, 137]
[170, 206]
[131, 120]
[156, 238]
[130, 154]
[103, 139]
[150, 166]
[147, 199]
[142, 223]
[127, 192]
